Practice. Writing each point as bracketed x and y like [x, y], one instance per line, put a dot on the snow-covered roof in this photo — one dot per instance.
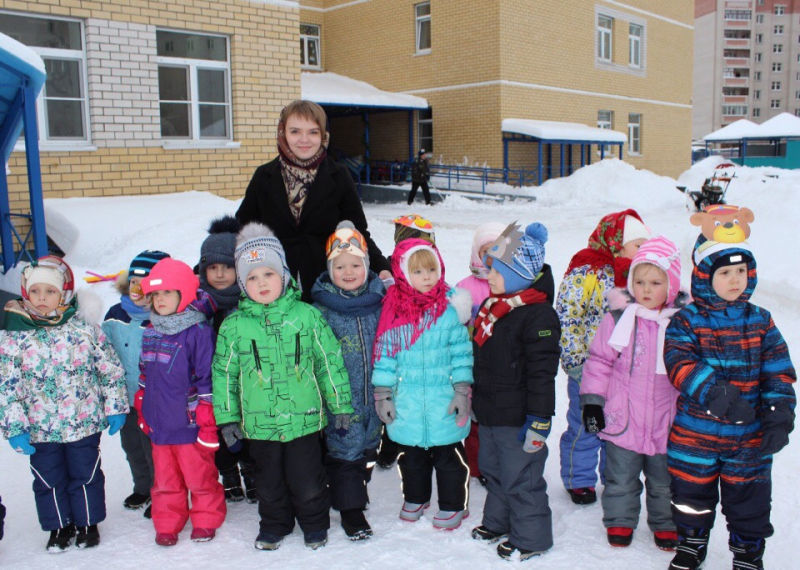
[779, 126]
[734, 131]
[556, 130]
[334, 89]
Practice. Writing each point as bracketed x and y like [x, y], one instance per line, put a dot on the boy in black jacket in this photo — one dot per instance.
[516, 352]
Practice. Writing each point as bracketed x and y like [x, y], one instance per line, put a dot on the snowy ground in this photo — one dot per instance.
[102, 235]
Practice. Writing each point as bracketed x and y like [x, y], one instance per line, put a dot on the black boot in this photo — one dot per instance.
[747, 552]
[88, 536]
[61, 539]
[355, 525]
[232, 485]
[691, 550]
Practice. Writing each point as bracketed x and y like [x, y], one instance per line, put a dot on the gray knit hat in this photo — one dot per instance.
[257, 246]
[220, 244]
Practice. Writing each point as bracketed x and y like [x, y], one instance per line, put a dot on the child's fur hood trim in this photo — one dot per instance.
[618, 298]
[461, 301]
[122, 283]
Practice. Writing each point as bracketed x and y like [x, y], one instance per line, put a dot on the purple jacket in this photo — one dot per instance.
[176, 375]
[639, 405]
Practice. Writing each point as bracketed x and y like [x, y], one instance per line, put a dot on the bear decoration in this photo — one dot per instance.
[506, 244]
[722, 225]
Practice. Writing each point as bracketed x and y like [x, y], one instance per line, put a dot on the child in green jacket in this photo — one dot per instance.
[277, 366]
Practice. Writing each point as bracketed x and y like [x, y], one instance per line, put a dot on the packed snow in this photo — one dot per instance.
[102, 235]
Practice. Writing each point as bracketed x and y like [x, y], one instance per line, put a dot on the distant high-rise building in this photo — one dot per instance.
[746, 61]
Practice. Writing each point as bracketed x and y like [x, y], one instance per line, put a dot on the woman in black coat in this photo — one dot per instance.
[303, 194]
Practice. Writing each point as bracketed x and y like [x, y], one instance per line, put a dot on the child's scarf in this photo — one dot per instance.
[605, 245]
[406, 312]
[498, 306]
[623, 331]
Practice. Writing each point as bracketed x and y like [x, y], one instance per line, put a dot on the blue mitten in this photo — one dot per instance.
[534, 433]
[22, 444]
[115, 423]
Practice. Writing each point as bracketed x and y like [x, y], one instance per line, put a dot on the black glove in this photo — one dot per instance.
[776, 423]
[720, 399]
[593, 419]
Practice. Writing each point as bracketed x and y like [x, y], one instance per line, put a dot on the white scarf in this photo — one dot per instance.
[623, 331]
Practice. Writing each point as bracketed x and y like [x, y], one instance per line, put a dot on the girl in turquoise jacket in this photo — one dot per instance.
[422, 376]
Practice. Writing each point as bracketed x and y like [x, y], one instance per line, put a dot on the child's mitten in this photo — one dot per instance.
[720, 397]
[341, 423]
[138, 402]
[593, 418]
[534, 433]
[777, 422]
[233, 436]
[384, 404]
[22, 444]
[207, 433]
[461, 404]
[115, 423]
[741, 412]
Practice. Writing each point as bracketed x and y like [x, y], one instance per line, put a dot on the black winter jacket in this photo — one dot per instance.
[515, 369]
[331, 198]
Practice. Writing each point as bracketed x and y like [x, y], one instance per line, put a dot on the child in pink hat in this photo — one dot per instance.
[627, 398]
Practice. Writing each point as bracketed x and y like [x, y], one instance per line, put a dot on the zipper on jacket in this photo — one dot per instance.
[258, 360]
[363, 359]
[297, 356]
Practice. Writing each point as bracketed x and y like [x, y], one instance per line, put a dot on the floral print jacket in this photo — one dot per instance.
[60, 383]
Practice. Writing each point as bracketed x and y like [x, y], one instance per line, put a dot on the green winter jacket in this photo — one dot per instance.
[275, 368]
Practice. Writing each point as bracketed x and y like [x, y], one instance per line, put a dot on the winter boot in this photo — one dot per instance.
[148, 512]
[619, 535]
[136, 501]
[232, 485]
[316, 539]
[203, 534]
[449, 520]
[412, 512]
[506, 550]
[61, 539]
[267, 541]
[691, 550]
[666, 539]
[747, 552]
[583, 495]
[88, 536]
[166, 538]
[484, 534]
[248, 477]
[355, 525]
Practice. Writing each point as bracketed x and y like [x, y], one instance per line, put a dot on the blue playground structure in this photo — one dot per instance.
[22, 75]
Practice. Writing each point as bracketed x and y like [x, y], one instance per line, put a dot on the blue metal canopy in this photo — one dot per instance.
[22, 75]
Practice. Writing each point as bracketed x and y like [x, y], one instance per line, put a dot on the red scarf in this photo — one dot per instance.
[498, 306]
[406, 312]
[605, 245]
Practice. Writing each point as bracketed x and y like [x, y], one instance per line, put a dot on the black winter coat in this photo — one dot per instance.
[515, 369]
[331, 198]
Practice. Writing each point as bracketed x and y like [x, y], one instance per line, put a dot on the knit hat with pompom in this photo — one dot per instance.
[518, 257]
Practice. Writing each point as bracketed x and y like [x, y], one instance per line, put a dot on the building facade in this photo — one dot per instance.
[747, 62]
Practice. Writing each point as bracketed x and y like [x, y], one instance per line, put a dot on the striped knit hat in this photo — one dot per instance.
[662, 253]
[144, 262]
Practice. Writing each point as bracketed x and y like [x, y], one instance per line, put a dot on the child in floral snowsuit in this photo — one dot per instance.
[61, 384]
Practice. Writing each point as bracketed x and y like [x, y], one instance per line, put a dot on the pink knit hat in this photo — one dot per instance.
[662, 253]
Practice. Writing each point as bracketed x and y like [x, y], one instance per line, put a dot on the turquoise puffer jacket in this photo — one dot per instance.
[422, 379]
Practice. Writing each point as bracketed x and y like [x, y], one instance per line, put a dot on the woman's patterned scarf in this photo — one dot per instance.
[298, 174]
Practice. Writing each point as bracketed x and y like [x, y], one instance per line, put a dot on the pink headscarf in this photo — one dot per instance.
[406, 312]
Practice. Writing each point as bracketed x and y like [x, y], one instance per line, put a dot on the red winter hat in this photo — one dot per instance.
[172, 275]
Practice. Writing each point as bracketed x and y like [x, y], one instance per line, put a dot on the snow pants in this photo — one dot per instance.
[623, 489]
[226, 460]
[2, 517]
[348, 481]
[516, 498]
[290, 483]
[452, 475]
[139, 453]
[579, 448]
[704, 469]
[181, 470]
[68, 483]
[471, 446]
[425, 192]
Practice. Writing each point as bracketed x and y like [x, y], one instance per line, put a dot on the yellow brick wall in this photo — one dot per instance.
[264, 77]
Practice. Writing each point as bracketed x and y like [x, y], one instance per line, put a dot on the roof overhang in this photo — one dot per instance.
[557, 131]
[331, 89]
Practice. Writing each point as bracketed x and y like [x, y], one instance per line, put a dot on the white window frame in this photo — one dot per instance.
[419, 22]
[193, 66]
[775, 104]
[424, 142]
[756, 76]
[756, 111]
[305, 40]
[759, 38]
[604, 37]
[777, 66]
[635, 44]
[780, 9]
[47, 142]
[605, 120]
[777, 30]
[757, 94]
[777, 48]
[759, 18]
[635, 134]
[775, 86]
[758, 57]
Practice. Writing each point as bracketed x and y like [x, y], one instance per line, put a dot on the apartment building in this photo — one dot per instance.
[747, 61]
[624, 65]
